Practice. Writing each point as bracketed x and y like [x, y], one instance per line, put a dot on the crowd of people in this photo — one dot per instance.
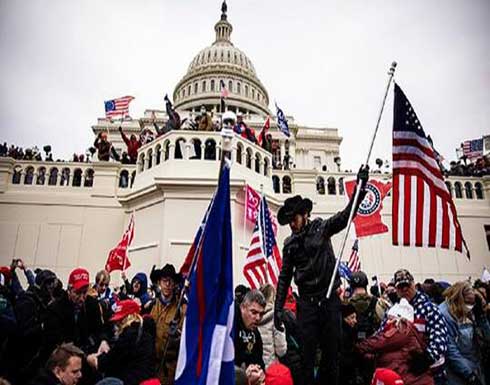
[478, 168]
[92, 332]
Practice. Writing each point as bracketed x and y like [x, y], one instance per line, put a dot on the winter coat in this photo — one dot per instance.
[392, 349]
[248, 344]
[45, 377]
[103, 148]
[133, 146]
[310, 257]
[273, 341]
[163, 314]
[64, 323]
[293, 358]
[131, 358]
[463, 356]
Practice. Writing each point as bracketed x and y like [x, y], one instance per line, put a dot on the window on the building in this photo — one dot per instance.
[487, 233]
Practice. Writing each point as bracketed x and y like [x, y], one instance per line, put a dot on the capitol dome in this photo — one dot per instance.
[222, 62]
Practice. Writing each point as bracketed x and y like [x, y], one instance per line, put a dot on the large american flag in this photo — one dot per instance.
[263, 263]
[473, 148]
[119, 106]
[423, 210]
[354, 263]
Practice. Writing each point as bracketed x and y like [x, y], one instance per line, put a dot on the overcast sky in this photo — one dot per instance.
[324, 62]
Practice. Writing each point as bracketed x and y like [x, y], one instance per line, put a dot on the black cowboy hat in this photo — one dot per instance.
[293, 206]
[167, 271]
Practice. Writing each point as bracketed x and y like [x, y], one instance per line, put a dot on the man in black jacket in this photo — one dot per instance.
[248, 343]
[308, 255]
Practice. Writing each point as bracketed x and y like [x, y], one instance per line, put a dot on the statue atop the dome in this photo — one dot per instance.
[224, 9]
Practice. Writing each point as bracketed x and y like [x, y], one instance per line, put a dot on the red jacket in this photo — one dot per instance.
[133, 146]
[392, 351]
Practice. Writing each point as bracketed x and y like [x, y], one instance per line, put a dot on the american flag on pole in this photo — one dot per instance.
[224, 91]
[424, 213]
[473, 148]
[119, 106]
[354, 263]
[263, 263]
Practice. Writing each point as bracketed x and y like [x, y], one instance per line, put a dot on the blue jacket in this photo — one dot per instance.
[142, 294]
[463, 353]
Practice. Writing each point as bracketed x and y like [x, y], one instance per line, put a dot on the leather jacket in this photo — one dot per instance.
[308, 255]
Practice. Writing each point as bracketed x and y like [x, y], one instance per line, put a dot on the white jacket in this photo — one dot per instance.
[274, 341]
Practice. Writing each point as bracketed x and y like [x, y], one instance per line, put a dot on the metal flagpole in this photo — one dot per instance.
[261, 232]
[391, 72]
[245, 217]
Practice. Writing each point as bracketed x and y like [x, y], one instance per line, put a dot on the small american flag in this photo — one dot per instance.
[263, 263]
[473, 148]
[423, 210]
[264, 131]
[119, 106]
[354, 263]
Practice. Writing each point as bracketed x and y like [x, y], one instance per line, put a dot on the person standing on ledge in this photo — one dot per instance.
[308, 255]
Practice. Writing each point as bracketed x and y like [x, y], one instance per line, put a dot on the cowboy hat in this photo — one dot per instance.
[293, 206]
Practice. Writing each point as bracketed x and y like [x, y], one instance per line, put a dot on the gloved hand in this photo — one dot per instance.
[153, 275]
[278, 319]
[419, 362]
[473, 380]
[363, 176]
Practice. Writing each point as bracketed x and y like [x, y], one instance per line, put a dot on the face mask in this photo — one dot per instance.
[468, 307]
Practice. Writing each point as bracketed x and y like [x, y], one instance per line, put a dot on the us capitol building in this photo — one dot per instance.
[61, 215]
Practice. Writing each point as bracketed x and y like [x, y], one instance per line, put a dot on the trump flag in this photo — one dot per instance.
[207, 353]
[368, 218]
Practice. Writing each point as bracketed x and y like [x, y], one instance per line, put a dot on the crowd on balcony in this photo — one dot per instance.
[480, 167]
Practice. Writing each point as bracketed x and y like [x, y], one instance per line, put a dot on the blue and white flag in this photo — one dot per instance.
[206, 355]
[344, 271]
[282, 122]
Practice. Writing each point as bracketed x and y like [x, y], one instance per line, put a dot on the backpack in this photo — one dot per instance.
[366, 321]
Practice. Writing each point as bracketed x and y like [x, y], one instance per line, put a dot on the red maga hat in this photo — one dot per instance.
[386, 377]
[79, 278]
[125, 308]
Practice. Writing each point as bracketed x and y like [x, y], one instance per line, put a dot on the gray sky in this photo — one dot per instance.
[324, 62]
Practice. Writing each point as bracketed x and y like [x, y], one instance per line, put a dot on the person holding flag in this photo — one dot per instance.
[308, 255]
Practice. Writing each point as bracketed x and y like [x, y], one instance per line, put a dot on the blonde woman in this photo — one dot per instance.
[132, 356]
[467, 330]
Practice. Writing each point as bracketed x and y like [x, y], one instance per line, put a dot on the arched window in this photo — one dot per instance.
[249, 158]
[89, 178]
[77, 177]
[253, 93]
[124, 179]
[331, 186]
[230, 86]
[183, 92]
[286, 185]
[320, 185]
[238, 88]
[468, 188]
[275, 183]
[189, 90]
[195, 149]
[458, 190]
[257, 162]
[195, 88]
[133, 175]
[166, 150]
[204, 86]
[29, 175]
[212, 84]
[158, 154]
[65, 177]
[179, 148]
[246, 90]
[239, 152]
[141, 163]
[16, 175]
[41, 176]
[449, 187]
[266, 166]
[478, 190]
[210, 149]
[149, 155]
[341, 186]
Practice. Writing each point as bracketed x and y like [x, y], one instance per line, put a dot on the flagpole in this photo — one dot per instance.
[391, 72]
[244, 216]
[262, 226]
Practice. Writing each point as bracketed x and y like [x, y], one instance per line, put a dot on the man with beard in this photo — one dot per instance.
[308, 255]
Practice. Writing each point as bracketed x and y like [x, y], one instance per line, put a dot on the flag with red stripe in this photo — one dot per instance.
[424, 213]
[263, 132]
[354, 263]
[119, 106]
[263, 263]
[118, 256]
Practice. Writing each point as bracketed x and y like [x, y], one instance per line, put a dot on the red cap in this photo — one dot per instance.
[278, 374]
[125, 308]
[386, 377]
[152, 381]
[79, 278]
[7, 273]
